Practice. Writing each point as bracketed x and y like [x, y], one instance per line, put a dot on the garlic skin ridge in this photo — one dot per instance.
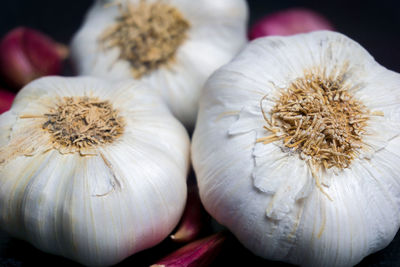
[96, 206]
[217, 32]
[265, 194]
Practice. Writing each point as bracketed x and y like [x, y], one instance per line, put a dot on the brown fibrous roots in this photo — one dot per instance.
[83, 122]
[318, 117]
[147, 35]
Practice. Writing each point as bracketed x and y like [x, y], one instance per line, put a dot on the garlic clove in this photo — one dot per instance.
[288, 22]
[26, 54]
[6, 99]
[217, 32]
[193, 219]
[266, 192]
[199, 253]
[96, 203]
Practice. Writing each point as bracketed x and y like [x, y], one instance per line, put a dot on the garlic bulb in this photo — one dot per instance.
[91, 170]
[27, 54]
[174, 45]
[297, 149]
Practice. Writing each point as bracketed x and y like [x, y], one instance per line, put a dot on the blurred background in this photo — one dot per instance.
[374, 24]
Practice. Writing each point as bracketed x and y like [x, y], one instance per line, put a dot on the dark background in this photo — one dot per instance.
[374, 24]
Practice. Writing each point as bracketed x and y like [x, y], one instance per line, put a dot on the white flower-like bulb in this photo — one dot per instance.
[297, 149]
[91, 170]
[173, 45]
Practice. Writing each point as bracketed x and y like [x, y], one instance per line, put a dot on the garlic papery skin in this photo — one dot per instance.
[210, 33]
[279, 199]
[116, 186]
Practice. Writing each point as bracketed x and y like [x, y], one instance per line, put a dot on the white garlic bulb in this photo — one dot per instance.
[91, 170]
[174, 45]
[297, 149]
